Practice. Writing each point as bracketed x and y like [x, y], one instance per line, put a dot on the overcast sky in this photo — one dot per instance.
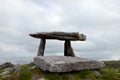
[98, 19]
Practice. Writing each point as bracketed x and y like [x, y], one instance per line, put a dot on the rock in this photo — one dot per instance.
[8, 77]
[65, 36]
[5, 71]
[41, 79]
[65, 64]
[16, 69]
[68, 50]
[71, 77]
[32, 68]
[8, 69]
[36, 77]
[60, 35]
[31, 64]
[41, 47]
[5, 65]
[97, 74]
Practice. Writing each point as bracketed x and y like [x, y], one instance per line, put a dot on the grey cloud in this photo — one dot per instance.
[98, 19]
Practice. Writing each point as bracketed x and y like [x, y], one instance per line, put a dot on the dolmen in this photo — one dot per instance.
[68, 62]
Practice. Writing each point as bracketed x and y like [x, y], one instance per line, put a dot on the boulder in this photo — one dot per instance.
[16, 69]
[74, 36]
[97, 74]
[6, 65]
[8, 77]
[5, 71]
[65, 64]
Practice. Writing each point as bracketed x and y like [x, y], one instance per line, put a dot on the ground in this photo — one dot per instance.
[31, 72]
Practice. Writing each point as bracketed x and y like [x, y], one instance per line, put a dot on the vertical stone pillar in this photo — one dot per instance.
[68, 51]
[41, 47]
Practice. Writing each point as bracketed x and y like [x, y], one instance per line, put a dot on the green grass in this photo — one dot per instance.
[107, 74]
[112, 64]
[25, 75]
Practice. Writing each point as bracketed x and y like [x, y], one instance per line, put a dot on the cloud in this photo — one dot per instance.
[98, 19]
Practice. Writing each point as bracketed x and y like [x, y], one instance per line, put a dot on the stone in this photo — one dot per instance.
[32, 68]
[16, 69]
[31, 64]
[68, 51]
[5, 71]
[60, 35]
[41, 79]
[41, 47]
[36, 77]
[71, 77]
[65, 64]
[66, 36]
[97, 74]
[6, 65]
[8, 77]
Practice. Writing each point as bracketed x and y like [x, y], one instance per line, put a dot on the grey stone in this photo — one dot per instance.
[41, 47]
[8, 69]
[65, 64]
[97, 74]
[8, 77]
[41, 79]
[6, 65]
[74, 36]
[66, 36]
[4, 73]
[16, 69]
[71, 77]
[68, 51]
[32, 68]
[36, 77]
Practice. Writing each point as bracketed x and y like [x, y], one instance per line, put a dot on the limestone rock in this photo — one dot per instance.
[60, 35]
[32, 68]
[36, 77]
[65, 64]
[97, 74]
[41, 79]
[5, 65]
[8, 77]
[5, 71]
[16, 69]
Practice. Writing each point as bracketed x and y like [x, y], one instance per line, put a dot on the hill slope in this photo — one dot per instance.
[31, 72]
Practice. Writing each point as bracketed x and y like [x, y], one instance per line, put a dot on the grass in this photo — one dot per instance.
[112, 64]
[25, 75]
[107, 73]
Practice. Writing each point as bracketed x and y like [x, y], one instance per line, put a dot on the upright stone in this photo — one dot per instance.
[65, 63]
[68, 51]
[41, 47]
[64, 36]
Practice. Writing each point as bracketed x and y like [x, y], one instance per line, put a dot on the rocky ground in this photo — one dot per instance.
[9, 71]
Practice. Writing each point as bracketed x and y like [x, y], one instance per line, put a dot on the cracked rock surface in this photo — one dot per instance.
[66, 64]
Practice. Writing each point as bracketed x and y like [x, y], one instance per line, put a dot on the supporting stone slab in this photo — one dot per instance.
[66, 64]
[68, 51]
[41, 47]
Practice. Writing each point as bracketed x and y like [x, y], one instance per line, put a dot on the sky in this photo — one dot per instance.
[99, 20]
